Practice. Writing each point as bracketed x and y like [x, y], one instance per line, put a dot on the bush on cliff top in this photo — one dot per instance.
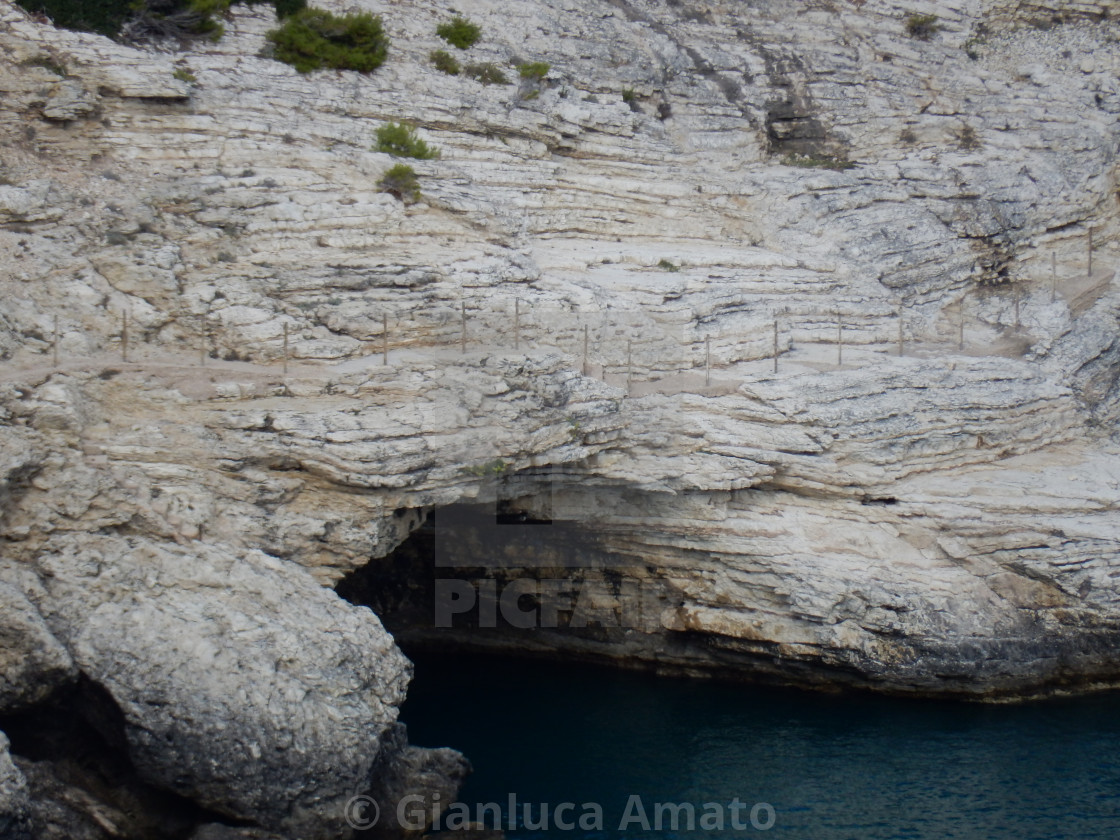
[106, 17]
[314, 39]
[102, 16]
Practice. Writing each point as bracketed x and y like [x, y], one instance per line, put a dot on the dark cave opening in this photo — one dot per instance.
[504, 578]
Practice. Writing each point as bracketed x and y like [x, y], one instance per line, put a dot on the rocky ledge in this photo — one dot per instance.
[799, 327]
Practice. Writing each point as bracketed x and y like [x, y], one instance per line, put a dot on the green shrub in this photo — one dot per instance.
[459, 32]
[817, 162]
[156, 20]
[922, 27]
[400, 140]
[533, 70]
[665, 265]
[102, 16]
[314, 39]
[175, 18]
[400, 181]
[209, 8]
[487, 72]
[184, 75]
[284, 8]
[445, 62]
[630, 97]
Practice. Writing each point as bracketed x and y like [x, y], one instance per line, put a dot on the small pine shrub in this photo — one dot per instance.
[922, 27]
[400, 182]
[666, 265]
[630, 97]
[101, 16]
[400, 140]
[487, 72]
[445, 62]
[146, 18]
[209, 7]
[459, 32]
[314, 39]
[533, 70]
[184, 75]
[284, 8]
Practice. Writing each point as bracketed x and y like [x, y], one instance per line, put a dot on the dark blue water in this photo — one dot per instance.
[830, 768]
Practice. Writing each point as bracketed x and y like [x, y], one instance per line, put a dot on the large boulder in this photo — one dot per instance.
[242, 683]
[404, 770]
[15, 806]
[32, 661]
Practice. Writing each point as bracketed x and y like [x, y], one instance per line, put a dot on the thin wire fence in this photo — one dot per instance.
[665, 349]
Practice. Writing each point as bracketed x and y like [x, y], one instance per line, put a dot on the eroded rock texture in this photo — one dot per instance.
[930, 508]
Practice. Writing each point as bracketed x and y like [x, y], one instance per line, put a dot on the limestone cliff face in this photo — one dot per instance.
[931, 507]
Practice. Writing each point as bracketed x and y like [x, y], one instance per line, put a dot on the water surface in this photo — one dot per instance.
[831, 768]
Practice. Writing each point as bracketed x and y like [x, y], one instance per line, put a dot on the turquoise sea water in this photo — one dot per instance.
[828, 767]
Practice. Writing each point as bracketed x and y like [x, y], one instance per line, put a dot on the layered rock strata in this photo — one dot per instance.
[235, 372]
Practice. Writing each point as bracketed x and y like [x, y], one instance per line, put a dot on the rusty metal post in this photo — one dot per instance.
[1053, 276]
[960, 340]
[775, 344]
[629, 364]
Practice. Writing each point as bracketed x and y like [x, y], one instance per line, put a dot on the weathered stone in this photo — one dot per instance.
[32, 661]
[250, 689]
[425, 779]
[69, 100]
[15, 804]
[936, 518]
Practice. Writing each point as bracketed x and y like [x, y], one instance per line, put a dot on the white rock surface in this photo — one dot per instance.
[942, 520]
[243, 684]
